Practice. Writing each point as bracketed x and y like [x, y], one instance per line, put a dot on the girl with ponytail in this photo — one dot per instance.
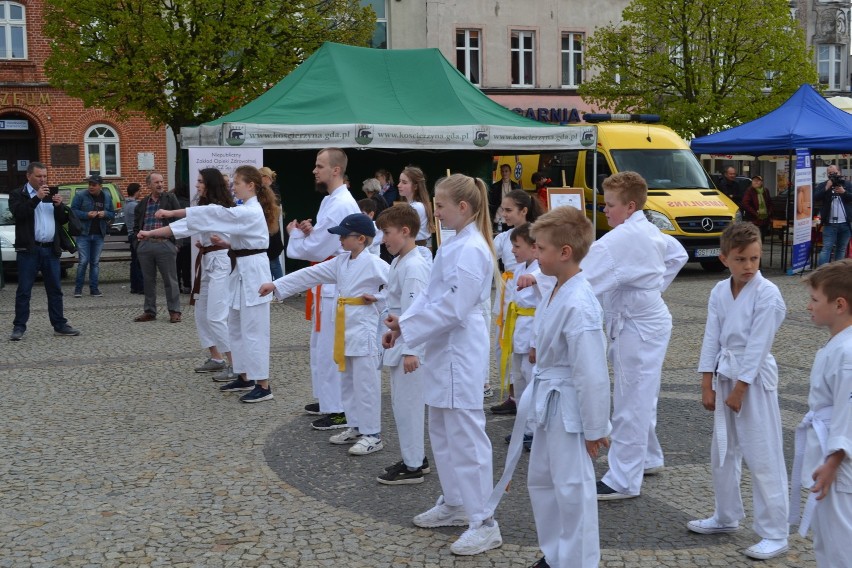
[449, 320]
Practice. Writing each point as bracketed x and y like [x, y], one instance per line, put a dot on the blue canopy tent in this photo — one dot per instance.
[805, 120]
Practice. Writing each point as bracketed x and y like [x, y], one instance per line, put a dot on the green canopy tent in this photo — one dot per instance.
[353, 97]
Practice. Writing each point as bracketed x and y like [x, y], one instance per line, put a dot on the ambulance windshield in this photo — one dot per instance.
[664, 169]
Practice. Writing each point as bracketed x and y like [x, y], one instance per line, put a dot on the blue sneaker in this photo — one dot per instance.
[237, 385]
[258, 394]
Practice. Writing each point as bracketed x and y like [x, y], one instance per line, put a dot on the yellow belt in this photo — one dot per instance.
[340, 330]
[508, 275]
[512, 315]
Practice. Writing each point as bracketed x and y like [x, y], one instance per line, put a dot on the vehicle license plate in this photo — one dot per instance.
[705, 253]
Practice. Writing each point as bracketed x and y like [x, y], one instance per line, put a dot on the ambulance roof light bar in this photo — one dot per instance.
[593, 118]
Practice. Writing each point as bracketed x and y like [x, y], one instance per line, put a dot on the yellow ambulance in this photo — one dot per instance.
[682, 200]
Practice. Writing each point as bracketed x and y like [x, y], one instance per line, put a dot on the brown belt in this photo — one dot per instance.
[235, 254]
[196, 284]
[421, 243]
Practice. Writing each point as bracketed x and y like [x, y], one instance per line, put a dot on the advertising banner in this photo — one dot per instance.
[802, 225]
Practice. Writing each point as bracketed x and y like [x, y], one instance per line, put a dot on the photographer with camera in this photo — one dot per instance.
[836, 214]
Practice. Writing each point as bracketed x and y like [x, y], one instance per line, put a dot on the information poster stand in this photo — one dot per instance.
[566, 196]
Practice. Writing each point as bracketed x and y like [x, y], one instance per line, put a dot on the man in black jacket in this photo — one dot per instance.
[498, 191]
[39, 238]
[835, 194]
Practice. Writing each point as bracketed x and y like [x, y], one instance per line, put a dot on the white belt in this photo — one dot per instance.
[517, 441]
[719, 424]
[819, 420]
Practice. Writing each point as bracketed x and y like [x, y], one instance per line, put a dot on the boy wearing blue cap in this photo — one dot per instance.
[358, 277]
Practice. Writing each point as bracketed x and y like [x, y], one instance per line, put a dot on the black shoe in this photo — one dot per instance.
[424, 469]
[607, 493]
[331, 421]
[541, 563]
[17, 334]
[66, 330]
[237, 385]
[96, 293]
[508, 406]
[258, 394]
[314, 409]
[399, 474]
[528, 442]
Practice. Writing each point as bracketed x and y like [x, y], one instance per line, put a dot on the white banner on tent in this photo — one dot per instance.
[802, 207]
[470, 137]
[226, 160]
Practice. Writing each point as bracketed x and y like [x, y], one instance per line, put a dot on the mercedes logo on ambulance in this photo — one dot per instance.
[707, 224]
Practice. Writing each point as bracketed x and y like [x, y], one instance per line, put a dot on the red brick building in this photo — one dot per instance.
[41, 123]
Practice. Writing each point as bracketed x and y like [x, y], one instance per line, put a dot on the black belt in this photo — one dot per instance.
[44, 245]
[235, 254]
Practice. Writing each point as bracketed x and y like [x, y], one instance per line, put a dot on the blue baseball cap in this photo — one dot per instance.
[355, 223]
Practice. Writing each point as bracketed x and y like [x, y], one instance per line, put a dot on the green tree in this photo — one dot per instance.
[703, 65]
[184, 62]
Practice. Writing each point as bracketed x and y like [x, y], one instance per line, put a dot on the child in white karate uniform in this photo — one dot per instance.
[739, 384]
[516, 209]
[314, 243]
[358, 276]
[567, 403]
[409, 275]
[823, 461]
[368, 208]
[448, 319]
[629, 268]
[248, 227]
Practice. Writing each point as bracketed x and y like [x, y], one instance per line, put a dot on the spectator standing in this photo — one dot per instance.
[136, 286]
[729, 186]
[95, 209]
[157, 254]
[372, 189]
[276, 241]
[183, 261]
[39, 241]
[541, 182]
[757, 205]
[388, 189]
[836, 213]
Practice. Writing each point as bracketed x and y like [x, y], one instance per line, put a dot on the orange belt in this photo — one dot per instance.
[312, 300]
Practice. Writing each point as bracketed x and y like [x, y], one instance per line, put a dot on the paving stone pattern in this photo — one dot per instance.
[114, 453]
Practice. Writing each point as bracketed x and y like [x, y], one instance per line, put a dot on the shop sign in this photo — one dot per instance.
[14, 125]
[552, 115]
[31, 98]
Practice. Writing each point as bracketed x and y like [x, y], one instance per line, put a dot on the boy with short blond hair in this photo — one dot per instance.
[409, 274]
[824, 438]
[739, 385]
[568, 401]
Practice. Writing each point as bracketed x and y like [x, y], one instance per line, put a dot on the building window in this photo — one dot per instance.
[102, 151]
[523, 59]
[828, 65]
[13, 31]
[380, 33]
[572, 60]
[467, 54]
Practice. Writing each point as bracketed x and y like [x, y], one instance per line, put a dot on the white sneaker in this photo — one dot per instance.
[366, 445]
[348, 436]
[711, 526]
[767, 548]
[474, 541]
[442, 515]
[653, 470]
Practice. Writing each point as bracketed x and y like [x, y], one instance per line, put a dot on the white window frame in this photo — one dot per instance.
[8, 24]
[519, 52]
[470, 53]
[96, 134]
[570, 53]
[832, 58]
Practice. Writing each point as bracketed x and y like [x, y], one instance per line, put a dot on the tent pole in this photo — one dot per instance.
[595, 192]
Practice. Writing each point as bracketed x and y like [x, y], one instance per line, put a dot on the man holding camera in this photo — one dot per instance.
[39, 216]
[836, 214]
[95, 210]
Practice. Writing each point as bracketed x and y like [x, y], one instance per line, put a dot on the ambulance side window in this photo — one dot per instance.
[603, 170]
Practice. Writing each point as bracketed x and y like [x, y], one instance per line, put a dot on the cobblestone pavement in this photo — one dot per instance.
[114, 453]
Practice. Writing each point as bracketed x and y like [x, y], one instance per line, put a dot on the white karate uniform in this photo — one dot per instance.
[448, 319]
[316, 247]
[831, 392]
[211, 318]
[569, 404]
[361, 386]
[737, 340]
[522, 339]
[248, 318]
[424, 233]
[409, 275]
[629, 268]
